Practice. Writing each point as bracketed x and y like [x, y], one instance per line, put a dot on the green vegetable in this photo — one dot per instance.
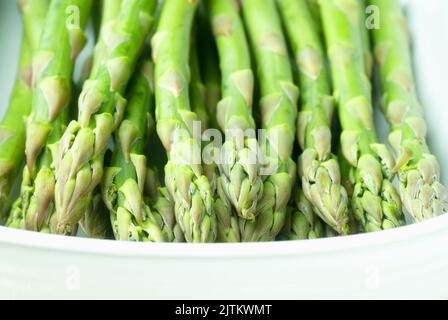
[318, 167]
[304, 224]
[238, 184]
[80, 152]
[184, 176]
[12, 126]
[278, 105]
[365, 40]
[95, 222]
[197, 88]
[125, 180]
[375, 202]
[209, 66]
[53, 63]
[423, 195]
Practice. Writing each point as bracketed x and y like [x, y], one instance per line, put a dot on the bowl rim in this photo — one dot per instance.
[33, 240]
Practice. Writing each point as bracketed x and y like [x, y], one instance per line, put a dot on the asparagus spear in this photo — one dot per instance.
[124, 180]
[234, 112]
[62, 40]
[227, 222]
[278, 105]
[209, 66]
[95, 221]
[365, 40]
[197, 88]
[418, 170]
[12, 126]
[318, 167]
[80, 152]
[375, 202]
[184, 176]
[34, 13]
[240, 180]
[314, 9]
[304, 223]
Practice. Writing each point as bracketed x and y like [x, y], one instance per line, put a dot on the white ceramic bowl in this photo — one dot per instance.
[410, 262]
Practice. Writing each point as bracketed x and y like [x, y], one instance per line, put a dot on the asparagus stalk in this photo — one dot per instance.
[34, 13]
[184, 176]
[62, 40]
[314, 9]
[227, 223]
[96, 222]
[124, 182]
[301, 221]
[80, 152]
[422, 193]
[365, 40]
[197, 88]
[304, 223]
[278, 105]
[239, 185]
[240, 180]
[375, 202]
[12, 126]
[110, 11]
[318, 167]
[209, 67]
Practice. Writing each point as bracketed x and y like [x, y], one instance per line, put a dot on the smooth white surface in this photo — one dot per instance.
[410, 262]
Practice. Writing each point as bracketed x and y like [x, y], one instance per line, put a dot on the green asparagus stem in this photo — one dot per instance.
[227, 222]
[53, 64]
[375, 202]
[423, 195]
[301, 221]
[318, 167]
[62, 40]
[239, 180]
[95, 222]
[184, 176]
[314, 9]
[278, 105]
[124, 180]
[80, 152]
[110, 11]
[209, 66]
[34, 13]
[12, 126]
[304, 222]
[365, 40]
[197, 88]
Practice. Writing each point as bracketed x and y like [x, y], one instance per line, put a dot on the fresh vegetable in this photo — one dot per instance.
[239, 181]
[222, 91]
[422, 193]
[125, 180]
[95, 221]
[375, 202]
[53, 63]
[318, 167]
[12, 126]
[209, 65]
[278, 105]
[184, 176]
[80, 152]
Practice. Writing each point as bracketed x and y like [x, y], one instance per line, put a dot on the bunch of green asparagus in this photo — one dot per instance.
[214, 121]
